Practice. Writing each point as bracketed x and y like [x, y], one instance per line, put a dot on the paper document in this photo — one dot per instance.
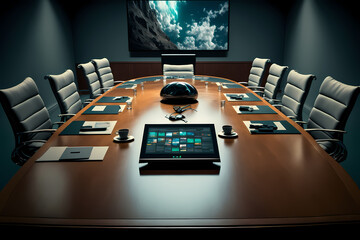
[98, 108]
[108, 124]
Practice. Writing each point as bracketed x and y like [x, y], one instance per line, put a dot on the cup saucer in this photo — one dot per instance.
[232, 135]
[128, 139]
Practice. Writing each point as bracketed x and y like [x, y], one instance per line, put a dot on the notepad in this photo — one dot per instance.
[98, 108]
[57, 154]
[253, 109]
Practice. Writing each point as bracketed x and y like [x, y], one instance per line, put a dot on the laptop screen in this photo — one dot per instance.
[179, 142]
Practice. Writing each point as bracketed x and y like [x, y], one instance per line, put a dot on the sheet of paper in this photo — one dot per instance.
[280, 126]
[98, 108]
[122, 107]
[93, 124]
[54, 154]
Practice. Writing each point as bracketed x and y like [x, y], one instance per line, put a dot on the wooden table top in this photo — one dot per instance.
[263, 180]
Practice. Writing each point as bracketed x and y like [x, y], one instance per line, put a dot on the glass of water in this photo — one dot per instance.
[129, 105]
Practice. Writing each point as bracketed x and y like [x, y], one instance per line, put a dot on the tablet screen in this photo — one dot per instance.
[179, 142]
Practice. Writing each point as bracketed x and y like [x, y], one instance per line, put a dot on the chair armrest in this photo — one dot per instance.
[103, 90]
[86, 102]
[97, 95]
[256, 87]
[19, 135]
[261, 93]
[327, 140]
[324, 130]
[244, 83]
[275, 100]
[33, 141]
[119, 81]
[37, 131]
[271, 100]
[64, 117]
[301, 123]
[277, 105]
[58, 123]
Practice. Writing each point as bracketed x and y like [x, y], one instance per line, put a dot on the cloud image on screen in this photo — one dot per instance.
[178, 25]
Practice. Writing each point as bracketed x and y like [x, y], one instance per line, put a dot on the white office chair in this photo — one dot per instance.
[329, 115]
[104, 72]
[29, 119]
[256, 76]
[66, 94]
[295, 93]
[92, 79]
[273, 82]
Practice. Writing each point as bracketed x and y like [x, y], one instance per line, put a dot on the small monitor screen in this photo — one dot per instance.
[179, 142]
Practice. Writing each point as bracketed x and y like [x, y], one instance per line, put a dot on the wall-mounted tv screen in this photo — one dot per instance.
[192, 25]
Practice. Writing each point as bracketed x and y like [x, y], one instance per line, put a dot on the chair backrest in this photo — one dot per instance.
[103, 70]
[257, 70]
[65, 91]
[25, 109]
[185, 70]
[178, 59]
[91, 78]
[295, 93]
[273, 82]
[332, 107]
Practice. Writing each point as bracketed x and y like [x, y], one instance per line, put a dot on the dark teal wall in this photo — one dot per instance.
[35, 40]
[323, 38]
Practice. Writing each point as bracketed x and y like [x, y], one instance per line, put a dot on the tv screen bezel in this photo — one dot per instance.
[178, 50]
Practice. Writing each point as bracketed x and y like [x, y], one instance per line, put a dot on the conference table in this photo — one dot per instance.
[261, 181]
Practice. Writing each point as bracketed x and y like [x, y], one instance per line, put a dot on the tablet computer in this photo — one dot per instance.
[179, 142]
